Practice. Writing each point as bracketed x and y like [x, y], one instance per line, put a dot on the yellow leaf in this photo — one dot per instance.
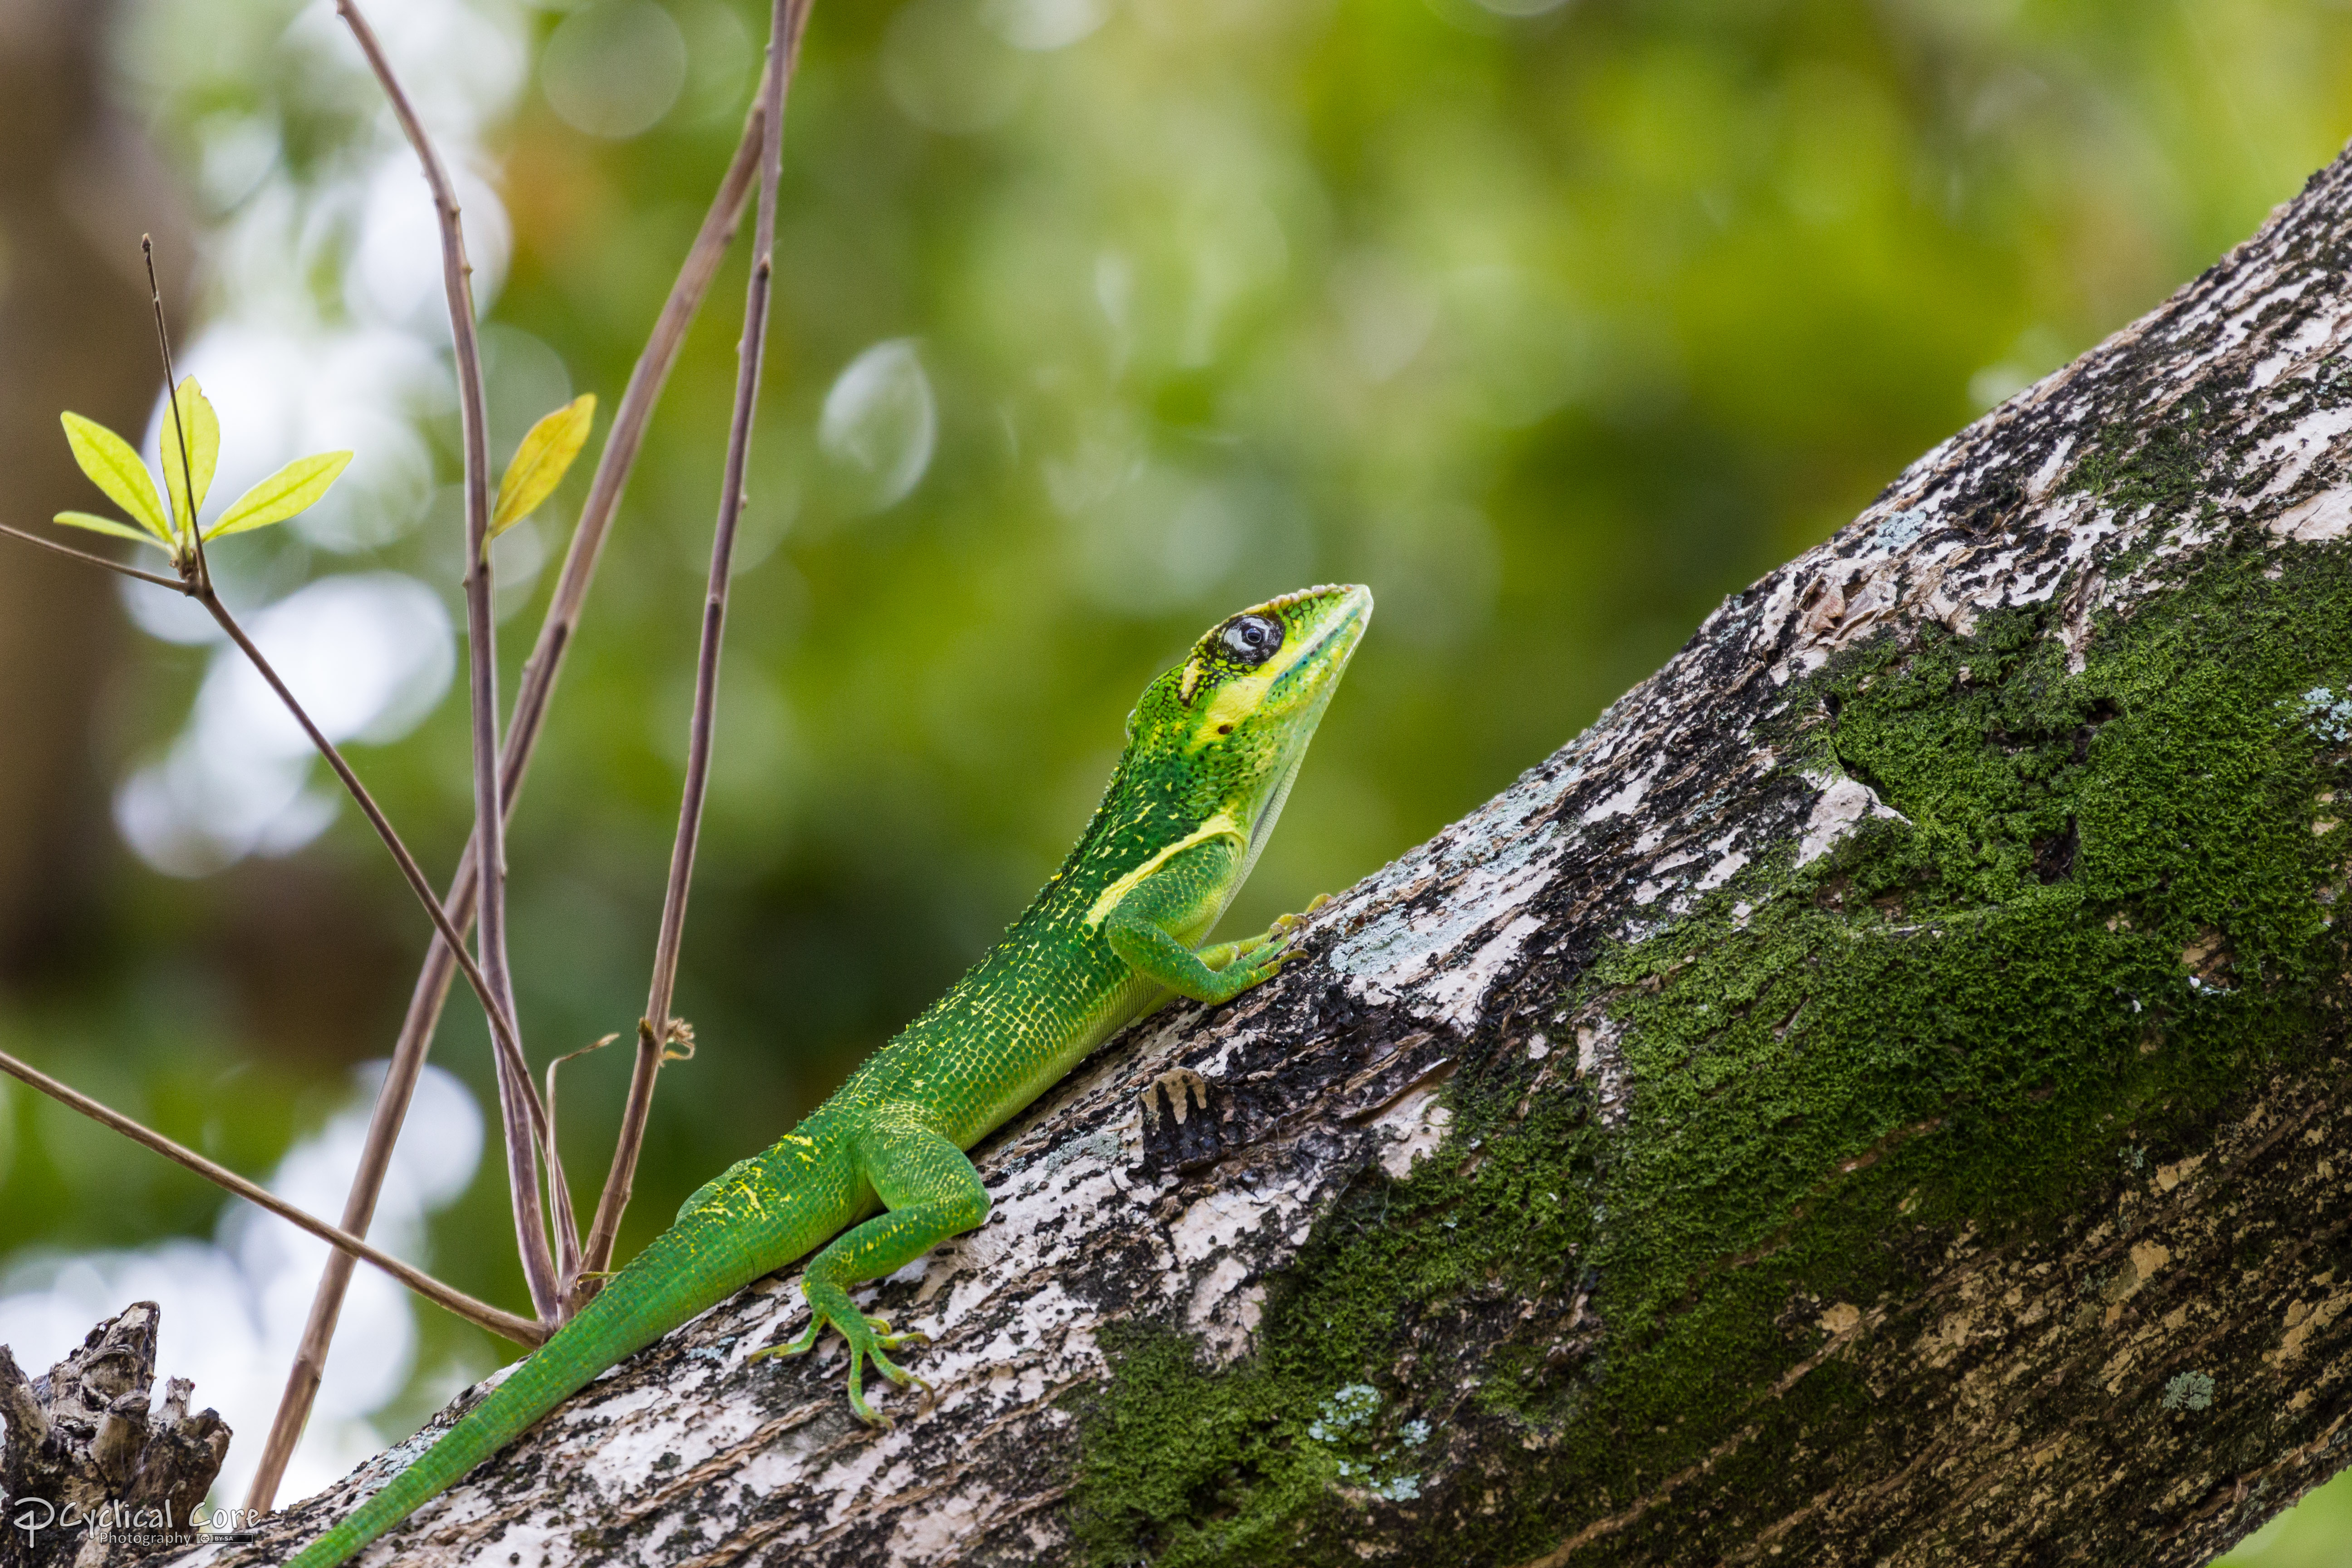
[97, 524]
[194, 413]
[298, 485]
[113, 467]
[541, 462]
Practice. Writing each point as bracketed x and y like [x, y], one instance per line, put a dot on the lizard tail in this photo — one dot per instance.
[692, 1265]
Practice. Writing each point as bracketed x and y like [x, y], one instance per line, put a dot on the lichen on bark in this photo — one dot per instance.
[2055, 929]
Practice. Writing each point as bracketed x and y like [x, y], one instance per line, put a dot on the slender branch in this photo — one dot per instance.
[598, 1046]
[155, 577]
[481, 642]
[788, 20]
[506, 1325]
[502, 1025]
[202, 590]
[540, 673]
[171, 396]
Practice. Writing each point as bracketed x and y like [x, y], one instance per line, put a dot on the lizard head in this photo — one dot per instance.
[1234, 720]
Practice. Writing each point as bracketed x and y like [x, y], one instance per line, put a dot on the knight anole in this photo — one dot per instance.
[1211, 748]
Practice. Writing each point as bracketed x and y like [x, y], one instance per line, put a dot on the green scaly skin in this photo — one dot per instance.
[1212, 747]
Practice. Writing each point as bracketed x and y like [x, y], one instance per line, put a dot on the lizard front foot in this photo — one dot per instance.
[1285, 925]
[868, 1337]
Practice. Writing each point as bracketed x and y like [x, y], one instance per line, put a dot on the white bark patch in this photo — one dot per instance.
[2317, 333]
[2052, 466]
[939, 1532]
[1225, 1307]
[1415, 1125]
[1453, 997]
[1400, 948]
[1626, 799]
[1727, 863]
[2302, 443]
[1217, 1219]
[1843, 804]
[2325, 516]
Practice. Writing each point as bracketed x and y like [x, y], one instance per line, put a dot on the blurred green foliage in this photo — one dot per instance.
[1554, 329]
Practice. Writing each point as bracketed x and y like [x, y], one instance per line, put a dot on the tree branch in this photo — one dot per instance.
[89, 1430]
[506, 1325]
[1875, 1096]
[502, 1024]
[87, 559]
[787, 22]
[532, 696]
[201, 570]
[517, 1098]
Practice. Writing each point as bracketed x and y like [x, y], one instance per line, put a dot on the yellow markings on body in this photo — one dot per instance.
[1218, 826]
[796, 1138]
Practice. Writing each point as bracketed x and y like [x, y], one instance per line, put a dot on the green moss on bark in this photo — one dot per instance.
[2102, 910]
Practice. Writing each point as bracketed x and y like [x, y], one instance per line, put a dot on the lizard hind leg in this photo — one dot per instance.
[930, 1192]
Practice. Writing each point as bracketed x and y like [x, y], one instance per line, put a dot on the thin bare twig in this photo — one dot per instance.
[788, 20]
[203, 593]
[515, 1091]
[172, 396]
[502, 1025]
[540, 673]
[83, 555]
[506, 1325]
[200, 585]
[598, 1046]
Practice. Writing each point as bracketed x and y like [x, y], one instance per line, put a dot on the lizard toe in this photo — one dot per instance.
[799, 1344]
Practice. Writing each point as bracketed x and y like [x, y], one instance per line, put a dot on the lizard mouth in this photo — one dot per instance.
[1320, 662]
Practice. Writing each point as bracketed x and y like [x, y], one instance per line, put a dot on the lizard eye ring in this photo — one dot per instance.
[1251, 639]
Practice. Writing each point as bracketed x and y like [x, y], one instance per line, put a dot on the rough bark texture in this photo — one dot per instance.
[90, 1474]
[1873, 1098]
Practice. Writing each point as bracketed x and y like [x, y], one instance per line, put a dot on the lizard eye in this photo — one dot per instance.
[1252, 639]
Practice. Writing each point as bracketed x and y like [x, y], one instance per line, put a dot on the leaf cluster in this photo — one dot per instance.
[113, 466]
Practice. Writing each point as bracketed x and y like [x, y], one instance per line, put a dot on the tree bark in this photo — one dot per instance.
[93, 1474]
[1872, 1097]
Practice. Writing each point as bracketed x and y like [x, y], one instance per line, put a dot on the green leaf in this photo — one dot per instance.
[114, 466]
[298, 485]
[195, 413]
[97, 524]
[541, 462]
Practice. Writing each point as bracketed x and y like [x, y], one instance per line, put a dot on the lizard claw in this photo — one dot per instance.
[799, 1344]
[869, 1337]
[872, 1346]
[1285, 925]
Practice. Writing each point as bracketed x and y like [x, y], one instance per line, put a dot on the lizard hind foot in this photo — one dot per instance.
[870, 1338]
[805, 1340]
[799, 1344]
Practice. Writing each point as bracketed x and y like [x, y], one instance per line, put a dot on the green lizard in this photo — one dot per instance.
[1211, 748]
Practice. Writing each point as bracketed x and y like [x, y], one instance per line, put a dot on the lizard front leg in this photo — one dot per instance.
[1218, 955]
[930, 1193]
[1183, 894]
